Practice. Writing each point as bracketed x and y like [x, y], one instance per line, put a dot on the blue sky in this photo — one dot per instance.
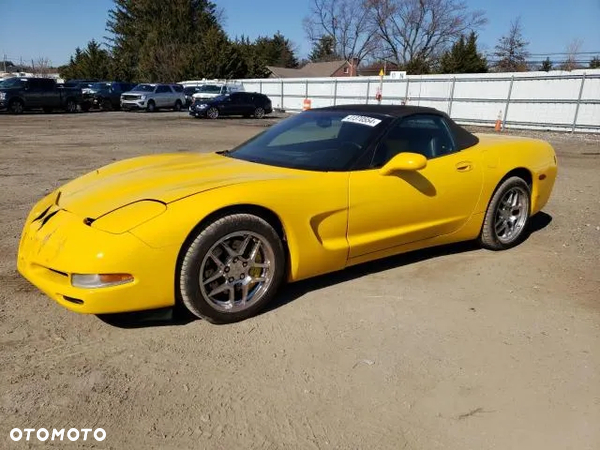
[53, 28]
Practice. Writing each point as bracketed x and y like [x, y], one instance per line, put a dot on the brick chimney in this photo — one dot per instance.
[353, 66]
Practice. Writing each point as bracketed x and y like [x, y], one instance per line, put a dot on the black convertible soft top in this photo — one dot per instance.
[463, 138]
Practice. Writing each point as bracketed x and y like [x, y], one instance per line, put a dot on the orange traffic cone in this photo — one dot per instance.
[498, 126]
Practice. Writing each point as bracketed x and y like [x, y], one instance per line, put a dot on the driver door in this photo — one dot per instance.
[388, 211]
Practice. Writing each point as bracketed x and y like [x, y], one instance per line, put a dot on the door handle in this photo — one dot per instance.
[464, 166]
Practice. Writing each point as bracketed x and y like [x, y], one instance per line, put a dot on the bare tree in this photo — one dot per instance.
[347, 22]
[573, 49]
[421, 30]
[41, 67]
[511, 51]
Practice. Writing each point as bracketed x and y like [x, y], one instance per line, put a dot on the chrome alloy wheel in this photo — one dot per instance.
[236, 271]
[511, 215]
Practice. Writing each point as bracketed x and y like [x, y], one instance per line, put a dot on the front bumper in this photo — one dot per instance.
[133, 104]
[197, 112]
[57, 245]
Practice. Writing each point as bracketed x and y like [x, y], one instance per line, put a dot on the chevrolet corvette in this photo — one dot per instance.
[219, 233]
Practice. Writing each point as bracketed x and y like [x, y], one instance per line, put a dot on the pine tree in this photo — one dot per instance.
[93, 62]
[276, 51]
[324, 50]
[546, 65]
[154, 40]
[511, 50]
[595, 63]
[463, 57]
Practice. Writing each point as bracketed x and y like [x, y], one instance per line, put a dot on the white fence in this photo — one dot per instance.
[563, 101]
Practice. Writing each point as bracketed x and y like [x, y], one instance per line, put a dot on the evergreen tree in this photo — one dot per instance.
[595, 63]
[324, 50]
[463, 57]
[93, 62]
[546, 65]
[276, 51]
[511, 50]
[154, 40]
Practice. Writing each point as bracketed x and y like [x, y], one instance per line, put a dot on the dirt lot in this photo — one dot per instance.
[457, 348]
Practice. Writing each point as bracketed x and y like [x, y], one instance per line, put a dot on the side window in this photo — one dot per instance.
[426, 134]
[47, 84]
[162, 89]
[34, 84]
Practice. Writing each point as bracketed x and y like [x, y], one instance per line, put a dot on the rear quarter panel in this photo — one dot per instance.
[504, 154]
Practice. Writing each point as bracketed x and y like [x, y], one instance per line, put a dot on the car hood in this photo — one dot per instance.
[166, 178]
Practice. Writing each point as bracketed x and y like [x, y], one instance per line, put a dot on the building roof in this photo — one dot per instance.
[319, 69]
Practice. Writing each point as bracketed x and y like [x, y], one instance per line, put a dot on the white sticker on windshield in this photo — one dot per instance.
[363, 120]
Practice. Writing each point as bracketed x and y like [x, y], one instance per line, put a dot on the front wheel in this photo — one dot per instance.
[151, 107]
[16, 107]
[71, 106]
[259, 113]
[212, 113]
[507, 216]
[232, 269]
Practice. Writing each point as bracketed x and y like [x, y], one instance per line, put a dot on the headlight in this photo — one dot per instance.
[2, 95]
[202, 106]
[96, 280]
[129, 216]
[142, 97]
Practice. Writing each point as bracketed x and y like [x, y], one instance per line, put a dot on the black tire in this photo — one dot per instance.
[195, 259]
[106, 104]
[71, 106]
[259, 113]
[151, 106]
[16, 106]
[178, 105]
[212, 113]
[493, 223]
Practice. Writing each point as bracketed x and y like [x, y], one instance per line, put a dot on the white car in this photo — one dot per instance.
[212, 90]
[153, 96]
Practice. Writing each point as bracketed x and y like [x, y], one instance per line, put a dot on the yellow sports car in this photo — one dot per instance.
[320, 191]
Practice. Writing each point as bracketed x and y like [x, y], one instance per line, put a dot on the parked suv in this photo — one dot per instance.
[22, 94]
[105, 94]
[153, 96]
[237, 104]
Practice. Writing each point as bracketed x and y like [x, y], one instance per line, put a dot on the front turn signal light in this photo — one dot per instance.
[88, 281]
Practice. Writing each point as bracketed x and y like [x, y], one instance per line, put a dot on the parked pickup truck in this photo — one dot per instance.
[20, 94]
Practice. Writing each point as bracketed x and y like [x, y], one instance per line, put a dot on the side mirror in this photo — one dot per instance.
[404, 162]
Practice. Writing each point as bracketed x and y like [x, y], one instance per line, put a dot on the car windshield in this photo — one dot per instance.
[313, 140]
[99, 86]
[144, 88]
[11, 83]
[209, 89]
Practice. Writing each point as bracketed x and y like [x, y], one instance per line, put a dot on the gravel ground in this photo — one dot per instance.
[452, 348]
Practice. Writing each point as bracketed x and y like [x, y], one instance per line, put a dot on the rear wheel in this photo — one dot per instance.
[507, 216]
[178, 105]
[71, 106]
[232, 269]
